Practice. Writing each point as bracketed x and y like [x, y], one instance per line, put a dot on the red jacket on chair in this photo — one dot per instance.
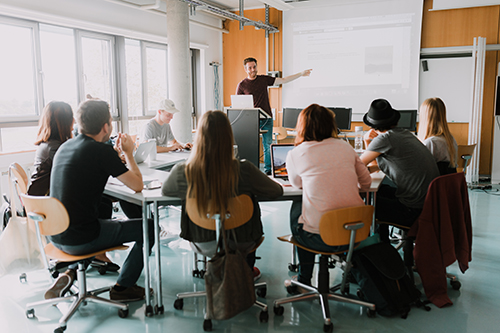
[443, 234]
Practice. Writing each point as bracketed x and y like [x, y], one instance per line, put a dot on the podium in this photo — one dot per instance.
[245, 124]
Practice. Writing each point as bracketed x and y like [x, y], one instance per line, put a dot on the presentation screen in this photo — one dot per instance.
[358, 50]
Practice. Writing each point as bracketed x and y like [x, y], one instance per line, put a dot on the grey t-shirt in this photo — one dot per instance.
[162, 133]
[439, 148]
[407, 162]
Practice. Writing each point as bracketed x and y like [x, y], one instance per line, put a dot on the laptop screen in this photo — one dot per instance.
[242, 102]
[278, 159]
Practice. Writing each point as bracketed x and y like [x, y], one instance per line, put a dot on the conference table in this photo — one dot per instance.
[152, 199]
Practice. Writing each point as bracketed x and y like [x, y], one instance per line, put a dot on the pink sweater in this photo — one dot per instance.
[330, 175]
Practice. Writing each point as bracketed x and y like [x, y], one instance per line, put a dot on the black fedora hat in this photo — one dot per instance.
[381, 114]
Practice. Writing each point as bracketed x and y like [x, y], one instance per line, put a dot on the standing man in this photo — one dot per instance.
[256, 85]
[80, 171]
[159, 129]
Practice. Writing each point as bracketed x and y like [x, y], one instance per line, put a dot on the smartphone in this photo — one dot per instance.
[152, 185]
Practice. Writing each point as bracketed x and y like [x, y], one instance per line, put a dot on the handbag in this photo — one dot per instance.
[228, 282]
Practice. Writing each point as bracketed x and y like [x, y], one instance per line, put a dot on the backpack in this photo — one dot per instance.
[382, 277]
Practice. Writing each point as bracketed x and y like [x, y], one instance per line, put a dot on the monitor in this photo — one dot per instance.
[408, 120]
[290, 116]
[342, 117]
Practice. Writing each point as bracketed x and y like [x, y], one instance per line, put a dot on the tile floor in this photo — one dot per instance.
[475, 306]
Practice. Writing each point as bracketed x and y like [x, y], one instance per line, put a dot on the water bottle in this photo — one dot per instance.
[358, 140]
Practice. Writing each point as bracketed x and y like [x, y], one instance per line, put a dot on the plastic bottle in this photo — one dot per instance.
[358, 140]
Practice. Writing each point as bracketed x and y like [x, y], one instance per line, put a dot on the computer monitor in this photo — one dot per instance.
[343, 117]
[408, 120]
[290, 116]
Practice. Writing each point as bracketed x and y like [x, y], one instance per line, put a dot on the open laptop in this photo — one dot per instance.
[278, 162]
[242, 102]
[142, 152]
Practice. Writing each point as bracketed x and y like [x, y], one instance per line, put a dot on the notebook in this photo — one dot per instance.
[242, 102]
[279, 153]
[142, 152]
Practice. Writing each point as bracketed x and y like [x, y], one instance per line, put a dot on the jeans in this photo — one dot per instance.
[390, 209]
[267, 139]
[114, 233]
[310, 240]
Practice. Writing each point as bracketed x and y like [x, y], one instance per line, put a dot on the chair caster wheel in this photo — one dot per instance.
[23, 278]
[207, 325]
[291, 289]
[278, 310]
[123, 313]
[55, 274]
[328, 328]
[196, 273]
[30, 313]
[371, 313]
[293, 268]
[178, 304]
[455, 284]
[261, 292]
[264, 316]
[149, 311]
[102, 270]
[159, 309]
[60, 329]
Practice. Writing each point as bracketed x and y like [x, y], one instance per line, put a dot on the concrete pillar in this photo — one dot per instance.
[179, 68]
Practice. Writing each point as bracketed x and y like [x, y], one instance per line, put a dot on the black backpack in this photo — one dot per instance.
[382, 277]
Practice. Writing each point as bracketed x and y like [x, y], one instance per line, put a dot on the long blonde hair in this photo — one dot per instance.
[212, 171]
[433, 123]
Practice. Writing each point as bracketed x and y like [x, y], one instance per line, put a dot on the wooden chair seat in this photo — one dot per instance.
[53, 252]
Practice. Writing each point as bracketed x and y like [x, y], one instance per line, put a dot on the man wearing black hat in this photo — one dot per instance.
[404, 160]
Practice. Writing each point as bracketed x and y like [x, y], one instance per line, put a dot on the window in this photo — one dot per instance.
[156, 76]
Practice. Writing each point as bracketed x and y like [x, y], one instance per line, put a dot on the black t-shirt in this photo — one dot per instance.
[80, 171]
[258, 88]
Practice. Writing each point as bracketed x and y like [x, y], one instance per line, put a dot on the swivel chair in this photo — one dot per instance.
[346, 226]
[464, 153]
[240, 212]
[51, 218]
[279, 133]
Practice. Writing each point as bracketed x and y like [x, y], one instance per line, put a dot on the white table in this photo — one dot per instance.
[154, 197]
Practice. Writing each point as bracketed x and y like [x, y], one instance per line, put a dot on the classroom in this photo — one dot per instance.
[142, 56]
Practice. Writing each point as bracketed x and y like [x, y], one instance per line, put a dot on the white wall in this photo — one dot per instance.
[108, 17]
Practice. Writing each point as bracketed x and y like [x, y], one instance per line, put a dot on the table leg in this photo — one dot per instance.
[157, 247]
[145, 232]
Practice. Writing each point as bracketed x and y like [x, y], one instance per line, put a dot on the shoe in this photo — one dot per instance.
[60, 286]
[109, 266]
[256, 274]
[131, 294]
[268, 172]
[293, 288]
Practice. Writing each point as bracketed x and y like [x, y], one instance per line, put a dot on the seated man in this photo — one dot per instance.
[80, 171]
[159, 129]
[407, 163]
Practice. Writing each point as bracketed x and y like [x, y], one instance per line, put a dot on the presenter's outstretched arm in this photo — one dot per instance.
[290, 78]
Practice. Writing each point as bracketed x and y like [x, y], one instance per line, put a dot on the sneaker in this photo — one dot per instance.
[60, 286]
[293, 288]
[131, 294]
[268, 172]
[256, 274]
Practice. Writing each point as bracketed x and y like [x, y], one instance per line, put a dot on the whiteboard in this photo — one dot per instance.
[451, 80]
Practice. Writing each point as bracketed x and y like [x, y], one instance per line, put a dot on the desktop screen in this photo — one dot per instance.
[408, 120]
[290, 116]
[343, 117]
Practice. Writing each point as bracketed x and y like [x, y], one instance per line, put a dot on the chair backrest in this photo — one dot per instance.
[240, 211]
[464, 153]
[332, 226]
[49, 212]
[279, 133]
[19, 177]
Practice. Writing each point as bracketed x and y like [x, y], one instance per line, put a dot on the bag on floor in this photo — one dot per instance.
[229, 284]
[382, 277]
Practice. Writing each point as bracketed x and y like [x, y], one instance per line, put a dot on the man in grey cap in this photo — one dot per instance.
[404, 160]
[159, 129]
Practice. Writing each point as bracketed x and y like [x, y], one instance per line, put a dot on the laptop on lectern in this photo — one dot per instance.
[242, 102]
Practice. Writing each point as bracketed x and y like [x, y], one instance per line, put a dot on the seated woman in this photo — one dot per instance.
[407, 164]
[56, 126]
[330, 174]
[434, 132]
[213, 175]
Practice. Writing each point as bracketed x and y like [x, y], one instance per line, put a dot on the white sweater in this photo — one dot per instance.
[330, 174]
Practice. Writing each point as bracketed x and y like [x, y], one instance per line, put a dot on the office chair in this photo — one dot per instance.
[51, 218]
[464, 153]
[240, 212]
[346, 226]
[279, 133]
